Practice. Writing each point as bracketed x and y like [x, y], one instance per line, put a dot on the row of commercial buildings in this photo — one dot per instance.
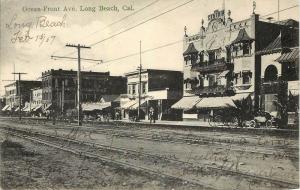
[225, 62]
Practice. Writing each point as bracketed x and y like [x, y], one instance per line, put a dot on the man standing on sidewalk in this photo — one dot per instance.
[151, 114]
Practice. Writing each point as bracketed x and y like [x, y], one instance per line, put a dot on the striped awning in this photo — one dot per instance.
[291, 56]
[186, 103]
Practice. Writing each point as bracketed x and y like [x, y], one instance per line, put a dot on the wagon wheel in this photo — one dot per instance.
[269, 124]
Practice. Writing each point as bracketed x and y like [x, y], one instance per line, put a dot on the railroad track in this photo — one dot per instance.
[199, 140]
[134, 152]
[109, 160]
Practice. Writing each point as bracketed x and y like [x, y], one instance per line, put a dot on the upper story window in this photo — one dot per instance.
[246, 76]
[190, 54]
[201, 56]
[211, 57]
[133, 89]
[242, 45]
[144, 90]
[246, 48]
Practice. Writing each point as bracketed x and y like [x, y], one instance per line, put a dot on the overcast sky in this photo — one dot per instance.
[89, 27]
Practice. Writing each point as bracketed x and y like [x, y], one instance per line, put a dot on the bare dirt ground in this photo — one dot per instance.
[25, 165]
[263, 155]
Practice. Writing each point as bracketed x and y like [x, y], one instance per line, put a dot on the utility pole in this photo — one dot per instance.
[62, 96]
[278, 11]
[140, 81]
[78, 80]
[19, 90]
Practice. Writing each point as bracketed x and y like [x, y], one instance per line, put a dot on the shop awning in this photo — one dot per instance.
[129, 104]
[186, 103]
[291, 56]
[135, 106]
[47, 107]
[95, 106]
[293, 87]
[26, 108]
[5, 108]
[36, 108]
[224, 73]
[9, 108]
[17, 109]
[216, 103]
[239, 97]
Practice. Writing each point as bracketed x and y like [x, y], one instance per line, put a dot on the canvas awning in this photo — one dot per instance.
[95, 106]
[17, 109]
[129, 104]
[215, 103]
[48, 107]
[239, 97]
[5, 107]
[135, 106]
[26, 108]
[224, 73]
[186, 103]
[293, 87]
[37, 107]
[9, 108]
[291, 56]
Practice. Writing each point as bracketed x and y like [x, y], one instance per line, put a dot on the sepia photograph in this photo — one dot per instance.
[149, 94]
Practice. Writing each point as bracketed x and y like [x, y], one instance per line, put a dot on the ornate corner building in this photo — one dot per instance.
[226, 60]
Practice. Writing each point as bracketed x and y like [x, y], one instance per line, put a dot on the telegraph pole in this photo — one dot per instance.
[78, 80]
[19, 90]
[140, 80]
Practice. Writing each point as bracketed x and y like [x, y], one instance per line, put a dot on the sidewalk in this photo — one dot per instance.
[175, 123]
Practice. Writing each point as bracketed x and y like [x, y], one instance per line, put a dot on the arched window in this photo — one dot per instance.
[271, 73]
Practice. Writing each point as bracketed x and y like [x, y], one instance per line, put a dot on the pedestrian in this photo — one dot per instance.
[151, 115]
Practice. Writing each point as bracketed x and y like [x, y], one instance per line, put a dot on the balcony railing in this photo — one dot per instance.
[212, 66]
[210, 90]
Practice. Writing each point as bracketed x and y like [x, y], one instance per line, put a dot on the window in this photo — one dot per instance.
[129, 89]
[133, 88]
[246, 49]
[246, 77]
[271, 73]
[211, 57]
[201, 81]
[211, 80]
[201, 57]
[143, 87]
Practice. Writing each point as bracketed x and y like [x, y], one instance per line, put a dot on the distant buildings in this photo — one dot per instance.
[12, 93]
[60, 88]
[160, 89]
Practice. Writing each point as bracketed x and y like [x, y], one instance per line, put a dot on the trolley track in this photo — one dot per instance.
[135, 152]
[175, 138]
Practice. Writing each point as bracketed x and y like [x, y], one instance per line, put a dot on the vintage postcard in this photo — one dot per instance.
[149, 94]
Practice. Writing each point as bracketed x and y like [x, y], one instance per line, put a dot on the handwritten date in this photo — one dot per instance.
[26, 37]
